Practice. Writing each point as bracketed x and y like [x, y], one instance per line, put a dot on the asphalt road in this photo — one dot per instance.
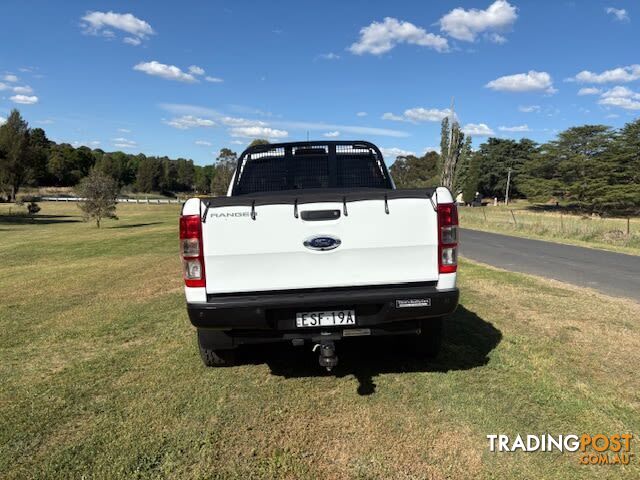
[611, 273]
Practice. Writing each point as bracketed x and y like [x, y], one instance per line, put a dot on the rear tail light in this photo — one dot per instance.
[191, 251]
[447, 237]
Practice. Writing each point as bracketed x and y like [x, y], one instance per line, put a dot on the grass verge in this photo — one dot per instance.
[585, 231]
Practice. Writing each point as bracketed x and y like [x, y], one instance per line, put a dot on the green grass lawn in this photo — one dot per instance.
[586, 231]
[101, 376]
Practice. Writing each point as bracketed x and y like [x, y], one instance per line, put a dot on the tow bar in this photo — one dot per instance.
[328, 358]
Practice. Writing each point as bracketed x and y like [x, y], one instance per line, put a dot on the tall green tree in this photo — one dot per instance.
[148, 175]
[259, 141]
[469, 184]
[451, 141]
[578, 166]
[203, 176]
[463, 166]
[223, 171]
[185, 174]
[622, 169]
[15, 154]
[496, 157]
[416, 172]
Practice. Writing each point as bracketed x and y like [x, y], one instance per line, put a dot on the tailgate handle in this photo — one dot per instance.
[318, 215]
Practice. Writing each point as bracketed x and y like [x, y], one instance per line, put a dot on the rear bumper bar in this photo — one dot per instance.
[276, 311]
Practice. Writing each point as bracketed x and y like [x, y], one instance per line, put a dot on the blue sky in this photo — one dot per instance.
[184, 79]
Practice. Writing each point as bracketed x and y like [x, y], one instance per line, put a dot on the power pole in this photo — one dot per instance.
[506, 197]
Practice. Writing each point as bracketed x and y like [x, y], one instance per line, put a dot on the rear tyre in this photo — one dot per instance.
[212, 356]
[429, 342]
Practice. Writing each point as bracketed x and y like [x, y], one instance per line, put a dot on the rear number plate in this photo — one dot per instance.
[329, 318]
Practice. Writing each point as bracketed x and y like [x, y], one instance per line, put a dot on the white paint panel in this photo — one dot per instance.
[242, 254]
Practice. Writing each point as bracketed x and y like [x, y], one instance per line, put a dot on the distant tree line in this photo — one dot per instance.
[29, 158]
[593, 168]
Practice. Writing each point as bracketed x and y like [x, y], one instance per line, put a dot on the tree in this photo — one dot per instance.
[463, 166]
[622, 169]
[202, 178]
[39, 146]
[451, 140]
[148, 175]
[579, 166]
[469, 185]
[100, 192]
[496, 156]
[416, 172]
[223, 171]
[15, 154]
[186, 174]
[259, 141]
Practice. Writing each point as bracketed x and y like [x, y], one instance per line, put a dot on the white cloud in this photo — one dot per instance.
[196, 70]
[24, 90]
[497, 38]
[24, 99]
[186, 109]
[2, 120]
[203, 143]
[101, 23]
[168, 72]
[393, 117]
[189, 121]
[515, 128]
[589, 91]
[529, 108]
[124, 130]
[135, 41]
[381, 37]
[237, 142]
[355, 129]
[3, 86]
[213, 79]
[621, 97]
[523, 82]
[617, 75]
[121, 142]
[10, 78]
[477, 130]
[361, 114]
[258, 132]
[394, 152]
[465, 25]
[418, 114]
[240, 122]
[619, 14]
[329, 56]
[196, 110]
[333, 134]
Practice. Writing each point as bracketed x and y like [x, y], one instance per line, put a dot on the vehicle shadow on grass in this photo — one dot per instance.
[468, 340]
[136, 225]
[37, 219]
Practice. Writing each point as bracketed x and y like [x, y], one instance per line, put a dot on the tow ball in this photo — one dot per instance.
[328, 358]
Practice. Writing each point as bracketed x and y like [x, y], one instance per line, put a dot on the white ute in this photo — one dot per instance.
[314, 243]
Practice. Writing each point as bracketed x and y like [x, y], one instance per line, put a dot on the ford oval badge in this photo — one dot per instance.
[322, 243]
